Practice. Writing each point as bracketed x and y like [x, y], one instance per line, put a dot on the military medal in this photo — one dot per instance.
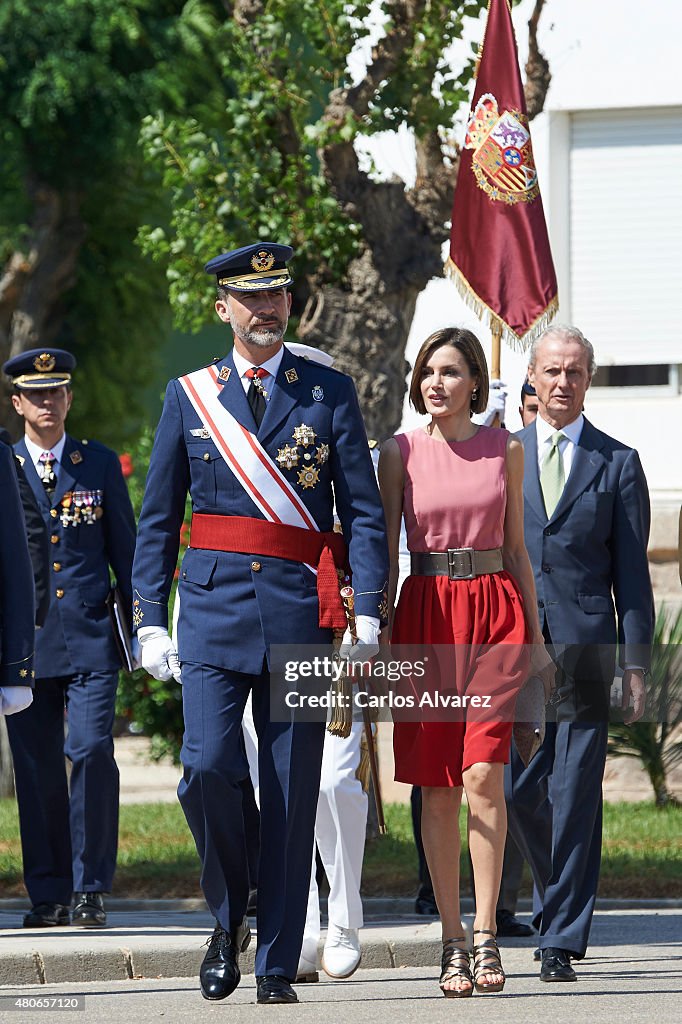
[322, 454]
[308, 477]
[304, 435]
[287, 457]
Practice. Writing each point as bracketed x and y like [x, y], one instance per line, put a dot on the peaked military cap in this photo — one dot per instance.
[527, 388]
[253, 268]
[40, 368]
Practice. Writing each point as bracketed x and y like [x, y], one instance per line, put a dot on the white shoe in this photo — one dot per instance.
[306, 971]
[341, 956]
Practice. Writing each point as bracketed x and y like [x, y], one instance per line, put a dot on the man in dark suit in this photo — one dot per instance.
[264, 442]
[69, 831]
[16, 596]
[37, 537]
[586, 508]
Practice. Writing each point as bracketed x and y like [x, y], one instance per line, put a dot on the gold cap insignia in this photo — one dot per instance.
[224, 373]
[263, 260]
[44, 363]
[291, 376]
[76, 457]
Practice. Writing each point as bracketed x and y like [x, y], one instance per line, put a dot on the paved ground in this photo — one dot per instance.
[143, 781]
[140, 969]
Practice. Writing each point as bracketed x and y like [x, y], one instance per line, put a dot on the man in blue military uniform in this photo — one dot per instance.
[69, 831]
[16, 596]
[264, 442]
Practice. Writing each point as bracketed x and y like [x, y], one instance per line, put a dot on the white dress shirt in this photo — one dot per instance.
[35, 451]
[567, 447]
[241, 365]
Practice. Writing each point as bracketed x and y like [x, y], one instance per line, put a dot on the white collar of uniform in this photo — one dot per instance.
[571, 431]
[35, 451]
[241, 365]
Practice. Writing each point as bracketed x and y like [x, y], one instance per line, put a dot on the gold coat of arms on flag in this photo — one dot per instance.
[503, 155]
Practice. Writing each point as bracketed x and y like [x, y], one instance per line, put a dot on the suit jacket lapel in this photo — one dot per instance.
[233, 396]
[32, 474]
[587, 461]
[284, 397]
[532, 493]
[66, 481]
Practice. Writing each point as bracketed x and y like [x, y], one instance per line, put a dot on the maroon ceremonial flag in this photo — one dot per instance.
[499, 249]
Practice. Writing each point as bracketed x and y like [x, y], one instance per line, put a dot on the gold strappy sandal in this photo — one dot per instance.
[486, 963]
[455, 964]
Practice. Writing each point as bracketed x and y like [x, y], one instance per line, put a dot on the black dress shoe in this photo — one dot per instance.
[219, 974]
[273, 988]
[46, 915]
[88, 910]
[556, 965]
[510, 927]
[426, 905]
[537, 955]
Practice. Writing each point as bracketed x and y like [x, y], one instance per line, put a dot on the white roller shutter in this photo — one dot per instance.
[626, 233]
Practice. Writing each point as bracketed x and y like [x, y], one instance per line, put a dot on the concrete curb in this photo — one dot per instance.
[170, 942]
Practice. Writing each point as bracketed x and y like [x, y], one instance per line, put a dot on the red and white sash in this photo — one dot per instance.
[245, 456]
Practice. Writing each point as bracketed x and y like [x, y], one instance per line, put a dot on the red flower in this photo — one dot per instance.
[127, 466]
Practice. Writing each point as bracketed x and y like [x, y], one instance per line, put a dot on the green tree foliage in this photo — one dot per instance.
[76, 79]
[244, 161]
[656, 740]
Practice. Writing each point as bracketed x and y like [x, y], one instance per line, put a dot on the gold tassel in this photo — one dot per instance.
[362, 772]
[342, 708]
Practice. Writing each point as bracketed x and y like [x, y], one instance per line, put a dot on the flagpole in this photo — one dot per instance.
[496, 352]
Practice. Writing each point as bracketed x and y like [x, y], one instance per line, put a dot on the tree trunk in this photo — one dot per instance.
[36, 278]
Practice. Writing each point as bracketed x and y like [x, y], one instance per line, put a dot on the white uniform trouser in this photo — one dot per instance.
[340, 837]
[340, 828]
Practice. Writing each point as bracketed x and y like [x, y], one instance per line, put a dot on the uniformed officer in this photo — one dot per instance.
[69, 832]
[16, 596]
[264, 442]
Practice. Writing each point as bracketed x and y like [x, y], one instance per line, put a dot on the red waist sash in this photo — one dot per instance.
[326, 551]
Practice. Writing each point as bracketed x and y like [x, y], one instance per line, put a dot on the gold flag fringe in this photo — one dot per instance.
[521, 343]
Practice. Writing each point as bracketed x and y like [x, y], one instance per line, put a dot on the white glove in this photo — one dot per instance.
[367, 628]
[497, 399]
[15, 698]
[158, 653]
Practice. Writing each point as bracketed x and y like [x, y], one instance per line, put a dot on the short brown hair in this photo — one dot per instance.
[469, 346]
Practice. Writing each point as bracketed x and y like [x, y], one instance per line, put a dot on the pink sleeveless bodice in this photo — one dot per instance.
[455, 491]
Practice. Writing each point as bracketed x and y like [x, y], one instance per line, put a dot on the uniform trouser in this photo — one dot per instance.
[340, 827]
[69, 830]
[214, 762]
[561, 838]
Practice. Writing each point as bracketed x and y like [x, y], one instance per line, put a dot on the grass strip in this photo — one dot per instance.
[642, 854]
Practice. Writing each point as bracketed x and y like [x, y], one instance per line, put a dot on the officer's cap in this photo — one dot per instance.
[253, 268]
[527, 388]
[40, 368]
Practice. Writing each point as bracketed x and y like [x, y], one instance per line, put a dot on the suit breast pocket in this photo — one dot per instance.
[205, 463]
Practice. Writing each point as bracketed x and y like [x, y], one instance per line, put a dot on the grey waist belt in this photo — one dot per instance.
[456, 563]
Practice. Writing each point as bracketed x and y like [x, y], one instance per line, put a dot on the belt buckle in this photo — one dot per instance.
[461, 564]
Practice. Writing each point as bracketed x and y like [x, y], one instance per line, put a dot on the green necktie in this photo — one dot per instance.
[552, 477]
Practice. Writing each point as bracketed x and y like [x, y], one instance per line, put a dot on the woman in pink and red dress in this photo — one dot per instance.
[459, 486]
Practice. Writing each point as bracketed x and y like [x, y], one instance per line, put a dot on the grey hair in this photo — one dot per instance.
[567, 333]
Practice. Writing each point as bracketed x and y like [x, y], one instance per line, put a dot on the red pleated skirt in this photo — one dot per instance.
[479, 635]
